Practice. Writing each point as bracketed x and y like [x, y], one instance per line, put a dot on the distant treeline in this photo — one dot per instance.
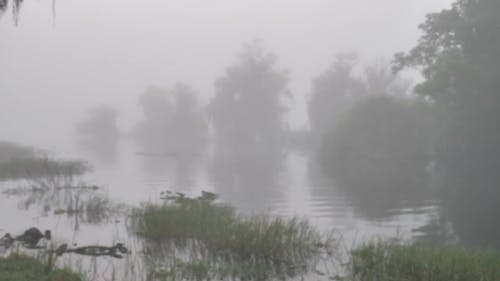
[375, 135]
[387, 145]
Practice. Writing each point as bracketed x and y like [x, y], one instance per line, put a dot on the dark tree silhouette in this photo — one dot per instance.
[378, 152]
[249, 129]
[100, 125]
[459, 54]
[372, 140]
[16, 7]
[247, 106]
[173, 120]
[333, 93]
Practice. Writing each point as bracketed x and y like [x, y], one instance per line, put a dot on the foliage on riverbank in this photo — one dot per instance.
[390, 261]
[41, 167]
[10, 150]
[26, 162]
[18, 267]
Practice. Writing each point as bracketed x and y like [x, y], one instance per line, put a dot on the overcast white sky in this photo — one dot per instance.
[109, 51]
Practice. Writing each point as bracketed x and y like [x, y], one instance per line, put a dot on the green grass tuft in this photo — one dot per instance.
[18, 267]
[391, 262]
[206, 240]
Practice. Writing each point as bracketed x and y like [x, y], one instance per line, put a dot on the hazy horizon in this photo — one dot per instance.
[90, 53]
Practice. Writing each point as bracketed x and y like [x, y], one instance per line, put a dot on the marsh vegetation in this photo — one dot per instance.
[416, 262]
[19, 162]
[199, 239]
[18, 267]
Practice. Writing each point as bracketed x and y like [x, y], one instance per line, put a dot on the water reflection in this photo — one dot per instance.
[474, 216]
[16, 7]
[329, 200]
[157, 164]
[471, 204]
[177, 170]
[247, 114]
[106, 152]
[79, 202]
[98, 133]
[372, 199]
[3, 5]
[253, 177]
[248, 177]
[172, 137]
[437, 232]
[56, 187]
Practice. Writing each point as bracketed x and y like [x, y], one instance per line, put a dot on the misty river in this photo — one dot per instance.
[132, 176]
[250, 140]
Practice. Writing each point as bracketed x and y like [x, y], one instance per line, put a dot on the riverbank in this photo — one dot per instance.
[19, 267]
[417, 262]
[372, 261]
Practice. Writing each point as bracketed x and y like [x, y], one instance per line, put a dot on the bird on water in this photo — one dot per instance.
[32, 236]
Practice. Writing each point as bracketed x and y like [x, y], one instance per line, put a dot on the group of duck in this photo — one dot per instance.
[29, 239]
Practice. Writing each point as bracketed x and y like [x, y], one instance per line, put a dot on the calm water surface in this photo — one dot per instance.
[133, 176]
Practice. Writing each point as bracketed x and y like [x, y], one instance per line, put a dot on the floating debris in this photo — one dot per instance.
[210, 196]
[95, 251]
[179, 197]
[80, 187]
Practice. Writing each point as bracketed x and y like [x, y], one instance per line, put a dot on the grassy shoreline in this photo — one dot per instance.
[17, 267]
[381, 260]
[219, 244]
[202, 239]
[417, 262]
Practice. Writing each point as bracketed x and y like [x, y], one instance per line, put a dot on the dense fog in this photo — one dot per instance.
[67, 58]
[378, 117]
